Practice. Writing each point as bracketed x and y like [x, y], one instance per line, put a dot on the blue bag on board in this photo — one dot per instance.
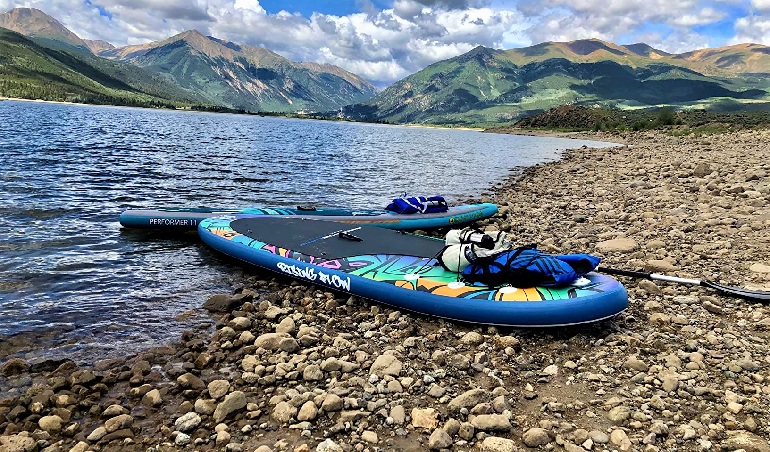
[528, 267]
[418, 204]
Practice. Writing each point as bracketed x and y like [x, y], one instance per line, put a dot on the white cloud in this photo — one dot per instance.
[754, 29]
[382, 46]
[761, 5]
[704, 16]
[249, 5]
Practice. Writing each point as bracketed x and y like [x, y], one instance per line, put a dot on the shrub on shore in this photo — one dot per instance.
[580, 118]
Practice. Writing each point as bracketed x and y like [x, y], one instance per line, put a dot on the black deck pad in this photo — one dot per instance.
[322, 238]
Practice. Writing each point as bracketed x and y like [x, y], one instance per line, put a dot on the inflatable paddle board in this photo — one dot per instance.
[185, 218]
[401, 270]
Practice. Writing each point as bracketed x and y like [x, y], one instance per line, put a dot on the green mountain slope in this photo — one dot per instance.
[29, 70]
[486, 86]
[245, 77]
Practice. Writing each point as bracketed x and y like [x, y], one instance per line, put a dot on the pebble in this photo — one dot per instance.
[498, 444]
[424, 418]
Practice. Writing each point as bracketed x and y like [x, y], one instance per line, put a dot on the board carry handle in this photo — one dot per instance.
[349, 236]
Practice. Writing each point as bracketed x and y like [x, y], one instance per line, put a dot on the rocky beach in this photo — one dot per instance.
[291, 367]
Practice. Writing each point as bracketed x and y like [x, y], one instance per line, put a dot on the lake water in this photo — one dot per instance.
[74, 284]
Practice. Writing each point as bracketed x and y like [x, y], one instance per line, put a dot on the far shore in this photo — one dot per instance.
[502, 129]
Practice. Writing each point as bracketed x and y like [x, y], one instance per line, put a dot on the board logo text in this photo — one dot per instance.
[311, 274]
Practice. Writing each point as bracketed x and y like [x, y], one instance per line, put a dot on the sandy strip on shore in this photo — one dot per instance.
[292, 367]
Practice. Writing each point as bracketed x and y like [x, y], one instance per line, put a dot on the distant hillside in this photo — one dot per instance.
[202, 70]
[245, 77]
[48, 31]
[98, 46]
[29, 70]
[486, 86]
[723, 61]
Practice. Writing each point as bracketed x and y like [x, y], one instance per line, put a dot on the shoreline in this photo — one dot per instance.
[509, 131]
[682, 369]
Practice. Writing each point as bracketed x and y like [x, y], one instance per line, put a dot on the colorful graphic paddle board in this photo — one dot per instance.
[401, 270]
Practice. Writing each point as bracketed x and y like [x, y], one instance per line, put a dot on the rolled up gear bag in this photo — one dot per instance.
[528, 267]
[418, 204]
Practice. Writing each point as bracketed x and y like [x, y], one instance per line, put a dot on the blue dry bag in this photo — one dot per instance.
[528, 267]
[418, 204]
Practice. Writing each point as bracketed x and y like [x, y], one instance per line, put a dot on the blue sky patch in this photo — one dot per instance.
[307, 7]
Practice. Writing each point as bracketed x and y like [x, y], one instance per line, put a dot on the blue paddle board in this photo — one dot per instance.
[401, 270]
[189, 218]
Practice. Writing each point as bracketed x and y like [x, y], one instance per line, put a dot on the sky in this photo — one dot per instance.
[384, 41]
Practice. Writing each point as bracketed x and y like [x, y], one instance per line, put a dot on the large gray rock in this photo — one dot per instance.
[277, 341]
[287, 326]
[119, 422]
[235, 401]
[284, 412]
[386, 365]
[308, 411]
[747, 441]
[332, 402]
[398, 414]
[17, 443]
[312, 373]
[469, 399]
[619, 414]
[188, 422]
[218, 388]
[536, 437]
[222, 303]
[51, 424]
[492, 422]
[190, 381]
[97, 434]
[439, 439]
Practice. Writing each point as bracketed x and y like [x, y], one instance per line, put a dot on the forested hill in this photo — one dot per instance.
[32, 71]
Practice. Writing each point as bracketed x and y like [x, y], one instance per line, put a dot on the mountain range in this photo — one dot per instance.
[244, 77]
[482, 87]
[488, 86]
[205, 69]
